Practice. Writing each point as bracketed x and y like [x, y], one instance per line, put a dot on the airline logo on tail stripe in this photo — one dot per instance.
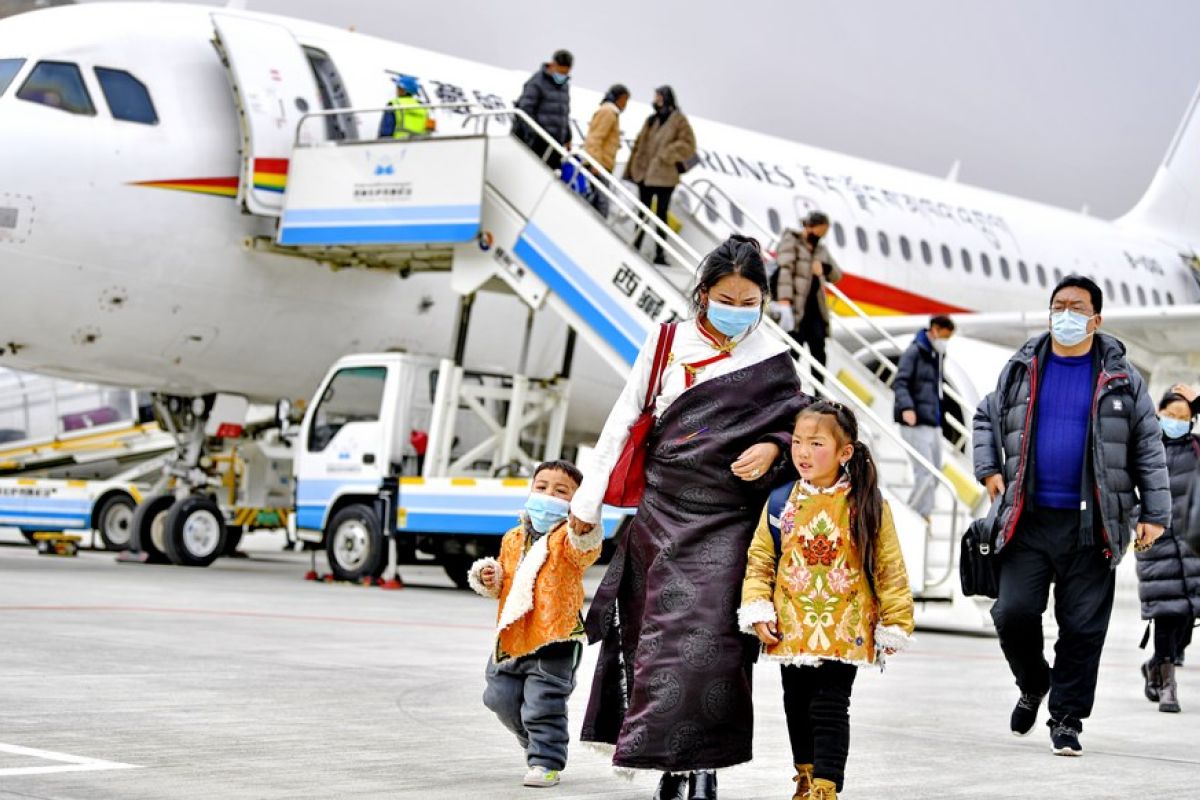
[270, 175]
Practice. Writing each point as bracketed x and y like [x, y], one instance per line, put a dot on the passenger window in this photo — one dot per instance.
[884, 246]
[773, 221]
[9, 67]
[861, 235]
[985, 264]
[905, 248]
[1005, 272]
[1108, 288]
[127, 97]
[926, 253]
[1157, 297]
[1058, 276]
[59, 85]
[839, 234]
[1125, 293]
[1023, 271]
[354, 395]
[1041, 275]
[966, 259]
[1141, 296]
[947, 259]
[1170, 299]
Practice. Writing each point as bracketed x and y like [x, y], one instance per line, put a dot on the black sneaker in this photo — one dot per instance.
[1064, 737]
[1024, 714]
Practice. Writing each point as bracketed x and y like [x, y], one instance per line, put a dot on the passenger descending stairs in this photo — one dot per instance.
[550, 247]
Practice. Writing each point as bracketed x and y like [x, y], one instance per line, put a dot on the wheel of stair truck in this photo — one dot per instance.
[146, 527]
[233, 537]
[194, 531]
[114, 520]
[354, 544]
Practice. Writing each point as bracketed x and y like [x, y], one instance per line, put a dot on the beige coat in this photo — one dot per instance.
[659, 148]
[604, 135]
[795, 261]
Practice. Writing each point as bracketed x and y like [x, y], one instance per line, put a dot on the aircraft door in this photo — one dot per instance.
[273, 87]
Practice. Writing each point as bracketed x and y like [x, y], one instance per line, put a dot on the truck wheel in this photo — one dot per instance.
[147, 526]
[114, 521]
[195, 531]
[355, 544]
[457, 567]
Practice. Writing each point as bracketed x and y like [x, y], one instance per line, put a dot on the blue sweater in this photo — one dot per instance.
[1064, 412]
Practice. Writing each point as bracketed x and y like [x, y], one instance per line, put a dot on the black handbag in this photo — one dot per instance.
[978, 567]
[978, 570]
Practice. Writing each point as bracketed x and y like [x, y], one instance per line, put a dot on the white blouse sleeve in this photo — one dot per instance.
[589, 498]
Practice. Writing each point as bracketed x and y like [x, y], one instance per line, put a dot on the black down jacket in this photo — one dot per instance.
[1125, 440]
[549, 104]
[1169, 573]
[918, 384]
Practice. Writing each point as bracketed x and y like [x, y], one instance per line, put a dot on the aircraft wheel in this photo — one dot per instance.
[146, 527]
[457, 567]
[195, 531]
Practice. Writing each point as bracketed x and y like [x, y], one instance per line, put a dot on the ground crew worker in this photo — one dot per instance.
[407, 115]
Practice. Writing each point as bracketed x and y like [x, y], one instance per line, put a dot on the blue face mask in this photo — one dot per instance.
[559, 77]
[1069, 328]
[1175, 428]
[731, 320]
[545, 511]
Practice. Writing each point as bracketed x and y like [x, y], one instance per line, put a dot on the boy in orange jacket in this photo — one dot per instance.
[538, 580]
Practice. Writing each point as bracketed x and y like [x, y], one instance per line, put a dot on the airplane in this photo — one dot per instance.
[126, 219]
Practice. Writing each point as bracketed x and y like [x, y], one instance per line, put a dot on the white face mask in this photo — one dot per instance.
[938, 345]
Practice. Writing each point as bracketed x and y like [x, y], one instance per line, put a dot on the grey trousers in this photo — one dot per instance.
[529, 695]
[926, 440]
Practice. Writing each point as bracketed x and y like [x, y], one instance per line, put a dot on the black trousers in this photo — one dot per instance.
[812, 334]
[659, 199]
[1045, 549]
[816, 701]
[1171, 635]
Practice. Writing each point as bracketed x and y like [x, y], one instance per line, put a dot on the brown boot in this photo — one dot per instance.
[1150, 676]
[803, 781]
[823, 790]
[1168, 690]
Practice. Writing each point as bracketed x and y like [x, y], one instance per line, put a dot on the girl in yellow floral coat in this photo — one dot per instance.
[828, 593]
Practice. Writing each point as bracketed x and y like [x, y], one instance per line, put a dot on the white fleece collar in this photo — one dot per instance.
[520, 597]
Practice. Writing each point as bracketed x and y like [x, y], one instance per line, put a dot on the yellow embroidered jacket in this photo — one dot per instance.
[539, 586]
[816, 589]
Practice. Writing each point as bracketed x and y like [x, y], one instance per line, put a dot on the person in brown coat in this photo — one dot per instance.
[804, 266]
[604, 137]
[659, 154]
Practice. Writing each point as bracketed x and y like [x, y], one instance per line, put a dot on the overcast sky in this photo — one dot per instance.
[1065, 101]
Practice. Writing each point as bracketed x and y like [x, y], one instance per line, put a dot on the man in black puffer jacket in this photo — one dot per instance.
[918, 406]
[546, 98]
[1078, 436]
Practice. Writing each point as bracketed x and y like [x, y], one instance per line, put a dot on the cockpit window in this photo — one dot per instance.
[57, 84]
[127, 97]
[9, 67]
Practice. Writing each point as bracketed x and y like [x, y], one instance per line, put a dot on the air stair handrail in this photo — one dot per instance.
[645, 219]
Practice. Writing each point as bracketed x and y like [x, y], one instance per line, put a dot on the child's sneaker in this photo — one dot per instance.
[539, 777]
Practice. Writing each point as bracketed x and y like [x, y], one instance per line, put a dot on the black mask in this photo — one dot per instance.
[813, 239]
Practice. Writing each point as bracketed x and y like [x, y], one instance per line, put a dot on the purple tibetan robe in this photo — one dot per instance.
[672, 687]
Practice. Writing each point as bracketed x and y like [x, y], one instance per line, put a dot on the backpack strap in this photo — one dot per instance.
[775, 504]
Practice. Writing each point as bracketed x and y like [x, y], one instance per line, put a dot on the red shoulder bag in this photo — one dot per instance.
[627, 481]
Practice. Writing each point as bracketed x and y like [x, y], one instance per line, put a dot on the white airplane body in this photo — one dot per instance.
[127, 263]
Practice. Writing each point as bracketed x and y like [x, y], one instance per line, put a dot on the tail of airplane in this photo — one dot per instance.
[1171, 204]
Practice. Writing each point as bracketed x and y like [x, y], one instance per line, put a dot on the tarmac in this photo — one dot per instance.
[245, 681]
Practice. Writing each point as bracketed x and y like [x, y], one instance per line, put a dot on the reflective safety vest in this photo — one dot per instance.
[411, 120]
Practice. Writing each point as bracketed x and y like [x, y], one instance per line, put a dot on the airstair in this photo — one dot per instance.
[511, 224]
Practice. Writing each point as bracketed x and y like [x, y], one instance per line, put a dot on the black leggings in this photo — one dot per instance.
[816, 701]
[659, 199]
[1171, 635]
